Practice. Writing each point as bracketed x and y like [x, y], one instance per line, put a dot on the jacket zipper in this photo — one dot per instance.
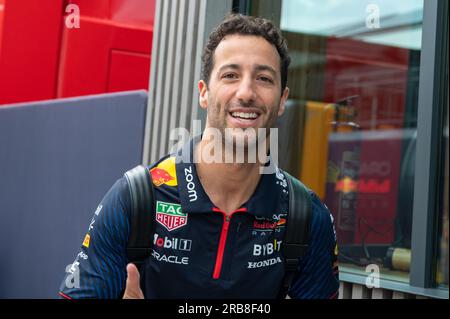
[223, 240]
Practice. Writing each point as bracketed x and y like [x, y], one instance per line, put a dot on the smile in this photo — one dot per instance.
[245, 116]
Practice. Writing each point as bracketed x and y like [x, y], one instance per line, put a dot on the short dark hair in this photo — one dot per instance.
[246, 25]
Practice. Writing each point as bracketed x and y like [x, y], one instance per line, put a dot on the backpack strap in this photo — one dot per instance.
[297, 229]
[142, 197]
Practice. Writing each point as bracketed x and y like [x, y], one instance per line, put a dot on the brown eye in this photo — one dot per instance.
[265, 79]
[229, 76]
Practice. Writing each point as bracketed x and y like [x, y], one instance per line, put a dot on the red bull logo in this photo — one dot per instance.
[160, 176]
[347, 185]
[165, 173]
[264, 225]
[281, 222]
[276, 222]
[87, 241]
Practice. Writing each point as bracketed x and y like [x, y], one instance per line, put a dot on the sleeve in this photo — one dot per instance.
[99, 270]
[318, 275]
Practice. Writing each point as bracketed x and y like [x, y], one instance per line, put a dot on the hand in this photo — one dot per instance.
[133, 289]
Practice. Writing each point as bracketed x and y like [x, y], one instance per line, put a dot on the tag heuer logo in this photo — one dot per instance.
[170, 215]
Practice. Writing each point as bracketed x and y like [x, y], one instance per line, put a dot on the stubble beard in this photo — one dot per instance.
[230, 136]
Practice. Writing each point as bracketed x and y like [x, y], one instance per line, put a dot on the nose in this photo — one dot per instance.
[246, 93]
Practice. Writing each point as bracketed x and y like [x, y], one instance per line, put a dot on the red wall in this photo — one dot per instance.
[40, 58]
[30, 42]
[111, 51]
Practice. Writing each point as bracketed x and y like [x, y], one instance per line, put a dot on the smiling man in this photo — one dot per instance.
[219, 226]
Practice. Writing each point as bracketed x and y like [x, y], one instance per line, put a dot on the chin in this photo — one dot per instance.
[242, 137]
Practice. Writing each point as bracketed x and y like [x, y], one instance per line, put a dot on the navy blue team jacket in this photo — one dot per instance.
[199, 252]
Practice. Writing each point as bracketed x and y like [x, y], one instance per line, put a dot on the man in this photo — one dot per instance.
[219, 226]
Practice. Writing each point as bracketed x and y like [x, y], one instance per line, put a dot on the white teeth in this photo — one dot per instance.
[245, 115]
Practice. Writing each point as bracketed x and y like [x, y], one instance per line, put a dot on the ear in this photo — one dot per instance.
[203, 92]
[283, 100]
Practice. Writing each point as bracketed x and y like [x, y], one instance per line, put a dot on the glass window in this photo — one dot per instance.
[351, 119]
[443, 252]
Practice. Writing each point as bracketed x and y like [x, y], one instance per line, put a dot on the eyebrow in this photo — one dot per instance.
[258, 68]
[263, 67]
[229, 66]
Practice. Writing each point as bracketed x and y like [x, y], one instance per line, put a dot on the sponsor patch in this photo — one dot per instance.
[98, 210]
[190, 185]
[73, 268]
[82, 255]
[165, 173]
[91, 225]
[264, 225]
[281, 180]
[172, 243]
[264, 263]
[277, 222]
[170, 215]
[267, 249]
[87, 241]
[170, 258]
[280, 219]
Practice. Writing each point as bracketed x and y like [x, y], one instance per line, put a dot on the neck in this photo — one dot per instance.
[228, 185]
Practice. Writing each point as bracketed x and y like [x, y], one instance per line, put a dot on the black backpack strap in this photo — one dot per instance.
[297, 229]
[141, 216]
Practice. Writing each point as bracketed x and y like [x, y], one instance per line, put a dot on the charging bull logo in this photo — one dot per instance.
[280, 219]
[165, 173]
[161, 176]
[346, 185]
[281, 222]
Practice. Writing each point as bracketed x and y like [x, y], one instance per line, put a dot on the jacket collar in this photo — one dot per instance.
[266, 201]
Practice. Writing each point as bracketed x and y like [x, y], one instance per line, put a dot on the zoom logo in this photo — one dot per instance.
[172, 243]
